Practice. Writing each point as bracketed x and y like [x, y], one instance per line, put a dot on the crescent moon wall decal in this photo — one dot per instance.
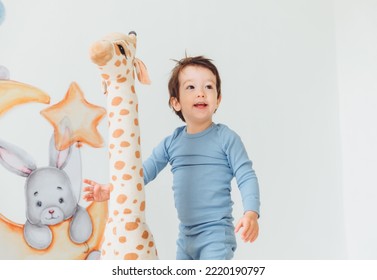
[14, 93]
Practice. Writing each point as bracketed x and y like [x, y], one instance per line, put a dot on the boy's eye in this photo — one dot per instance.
[209, 87]
[190, 87]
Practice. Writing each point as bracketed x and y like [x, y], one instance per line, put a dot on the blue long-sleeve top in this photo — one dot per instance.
[203, 166]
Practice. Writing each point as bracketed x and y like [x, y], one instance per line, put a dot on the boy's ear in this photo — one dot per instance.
[175, 104]
[218, 102]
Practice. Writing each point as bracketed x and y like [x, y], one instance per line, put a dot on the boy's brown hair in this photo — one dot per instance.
[201, 61]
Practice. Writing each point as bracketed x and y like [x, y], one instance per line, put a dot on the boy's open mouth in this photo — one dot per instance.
[200, 105]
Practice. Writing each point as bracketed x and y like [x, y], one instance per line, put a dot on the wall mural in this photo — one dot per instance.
[56, 226]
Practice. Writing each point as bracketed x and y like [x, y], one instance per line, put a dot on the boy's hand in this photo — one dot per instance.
[249, 223]
[95, 191]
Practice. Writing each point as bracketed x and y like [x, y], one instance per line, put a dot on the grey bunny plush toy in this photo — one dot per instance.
[50, 194]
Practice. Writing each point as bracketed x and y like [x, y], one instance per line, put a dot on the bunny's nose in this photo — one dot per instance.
[51, 211]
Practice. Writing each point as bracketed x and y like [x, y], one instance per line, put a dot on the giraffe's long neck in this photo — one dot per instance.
[127, 235]
[126, 169]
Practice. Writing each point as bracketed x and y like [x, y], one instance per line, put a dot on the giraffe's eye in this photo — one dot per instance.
[122, 51]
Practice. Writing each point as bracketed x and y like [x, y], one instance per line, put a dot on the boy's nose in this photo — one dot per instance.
[201, 93]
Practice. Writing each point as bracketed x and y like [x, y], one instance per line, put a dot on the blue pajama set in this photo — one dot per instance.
[203, 166]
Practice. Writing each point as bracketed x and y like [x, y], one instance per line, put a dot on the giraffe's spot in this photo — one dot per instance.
[145, 234]
[117, 87]
[105, 76]
[118, 132]
[132, 134]
[116, 101]
[137, 154]
[128, 71]
[119, 120]
[109, 220]
[138, 140]
[136, 122]
[131, 256]
[119, 165]
[133, 89]
[114, 178]
[114, 233]
[127, 211]
[117, 63]
[131, 226]
[124, 61]
[116, 212]
[141, 173]
[142, 206]
[121, 80]
[122, 239]
[151, 244]
[139, 187]
[140, 247]
[103, 252]
[124, 112]
[111, 114]
[124, 144]
[131, 102]
[111, 146]
[108, 83]
[135, 201]
[133, 167]
[116, 253]
[121, 198]
[137, 220]
[137, 108]
[127, 177]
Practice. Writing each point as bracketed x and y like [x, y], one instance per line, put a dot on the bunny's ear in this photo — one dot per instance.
[73, 169]
[58, 158]
[16, 160]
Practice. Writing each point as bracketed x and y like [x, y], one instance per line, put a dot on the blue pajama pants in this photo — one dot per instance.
[211, 241]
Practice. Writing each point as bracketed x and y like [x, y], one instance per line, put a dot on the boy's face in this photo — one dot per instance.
[198, 99]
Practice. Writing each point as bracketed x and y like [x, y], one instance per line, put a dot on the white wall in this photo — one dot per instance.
[356, 27]
[277, 60]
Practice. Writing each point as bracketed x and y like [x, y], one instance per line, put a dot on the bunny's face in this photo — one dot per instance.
[49, 197]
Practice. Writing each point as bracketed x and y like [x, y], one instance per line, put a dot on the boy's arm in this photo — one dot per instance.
[155, 163]
[248, 185]
[243, 171]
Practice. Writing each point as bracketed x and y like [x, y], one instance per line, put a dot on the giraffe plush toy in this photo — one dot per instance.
[127, 235]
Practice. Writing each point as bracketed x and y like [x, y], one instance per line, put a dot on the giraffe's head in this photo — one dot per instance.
[115, 57]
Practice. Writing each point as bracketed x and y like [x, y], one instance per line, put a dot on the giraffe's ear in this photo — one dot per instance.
[141, 72]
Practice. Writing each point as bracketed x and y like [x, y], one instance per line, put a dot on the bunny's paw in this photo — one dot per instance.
[38, 237]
